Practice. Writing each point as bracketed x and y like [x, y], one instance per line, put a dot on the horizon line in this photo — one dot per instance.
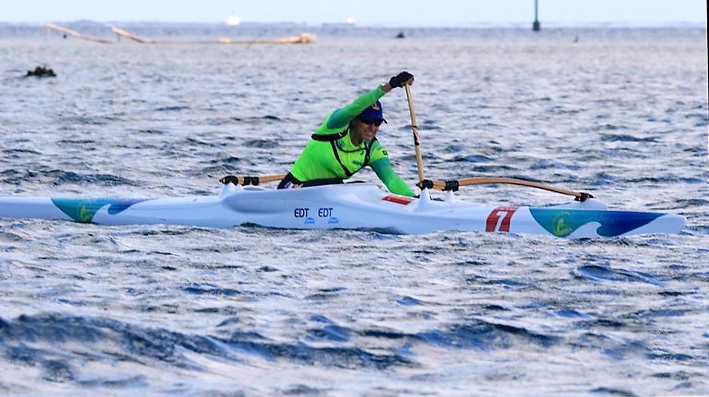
[471, 24]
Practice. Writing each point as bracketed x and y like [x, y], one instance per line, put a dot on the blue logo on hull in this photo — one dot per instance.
[562, 223]
[83, 210]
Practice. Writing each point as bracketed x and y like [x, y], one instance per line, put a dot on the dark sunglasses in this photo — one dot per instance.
[370, 122]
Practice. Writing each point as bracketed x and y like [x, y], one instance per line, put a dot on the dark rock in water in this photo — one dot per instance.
[400, 35]
[41, 71]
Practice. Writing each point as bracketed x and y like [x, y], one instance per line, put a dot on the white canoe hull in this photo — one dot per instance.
[348, 206]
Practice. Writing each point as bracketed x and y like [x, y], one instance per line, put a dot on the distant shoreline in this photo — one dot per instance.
[471, 25]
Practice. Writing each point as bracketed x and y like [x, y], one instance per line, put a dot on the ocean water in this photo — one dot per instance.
[188, 311]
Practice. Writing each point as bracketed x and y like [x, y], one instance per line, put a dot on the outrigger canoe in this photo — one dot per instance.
[362, 206]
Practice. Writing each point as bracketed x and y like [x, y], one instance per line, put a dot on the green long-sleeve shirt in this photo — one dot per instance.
[318, 159]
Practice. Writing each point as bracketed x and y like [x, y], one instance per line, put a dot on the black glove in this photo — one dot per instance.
[400, 79]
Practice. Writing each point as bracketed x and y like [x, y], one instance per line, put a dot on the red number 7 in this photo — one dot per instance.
[493, 220]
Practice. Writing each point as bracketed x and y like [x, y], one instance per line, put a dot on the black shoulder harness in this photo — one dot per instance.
[332, 138]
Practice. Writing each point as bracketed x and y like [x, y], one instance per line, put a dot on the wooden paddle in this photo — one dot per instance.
[415, 130]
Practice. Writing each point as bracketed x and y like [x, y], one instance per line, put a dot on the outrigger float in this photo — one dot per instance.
[361, 206]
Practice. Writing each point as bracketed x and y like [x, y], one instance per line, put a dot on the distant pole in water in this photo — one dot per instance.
[536, 26]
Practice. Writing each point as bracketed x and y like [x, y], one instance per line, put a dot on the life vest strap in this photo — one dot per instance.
[329, 137]
[332, 138]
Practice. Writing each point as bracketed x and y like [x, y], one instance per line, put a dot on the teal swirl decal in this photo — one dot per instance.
[83, 210]
[563, 222]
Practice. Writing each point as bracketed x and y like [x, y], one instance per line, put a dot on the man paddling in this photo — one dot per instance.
[346, 142]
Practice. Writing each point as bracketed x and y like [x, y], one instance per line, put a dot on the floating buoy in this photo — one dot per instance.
[41, 71]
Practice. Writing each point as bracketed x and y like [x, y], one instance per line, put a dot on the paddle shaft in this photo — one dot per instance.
[415, 130]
